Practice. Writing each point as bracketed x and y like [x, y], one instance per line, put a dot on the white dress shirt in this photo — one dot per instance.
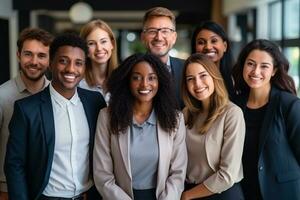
[69, 174]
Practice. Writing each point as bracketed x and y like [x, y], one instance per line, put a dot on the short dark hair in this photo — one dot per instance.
[281, 79]
[121, 100]
[68, 39]
[34, 34]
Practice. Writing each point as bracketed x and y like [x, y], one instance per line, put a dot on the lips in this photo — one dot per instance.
[143, 92]
[69, 77]
[200, 90]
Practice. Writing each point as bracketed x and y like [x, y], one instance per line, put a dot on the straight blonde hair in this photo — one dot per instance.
[218, 99]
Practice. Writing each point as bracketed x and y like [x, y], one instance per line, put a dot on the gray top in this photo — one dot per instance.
[10, 91]
[106, 95]
[144, 153]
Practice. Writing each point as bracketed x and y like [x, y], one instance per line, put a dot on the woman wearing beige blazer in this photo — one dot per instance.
[215, 134]
[140, 151]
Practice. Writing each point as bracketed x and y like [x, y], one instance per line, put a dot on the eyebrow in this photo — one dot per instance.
[197, 74]
[265, 63]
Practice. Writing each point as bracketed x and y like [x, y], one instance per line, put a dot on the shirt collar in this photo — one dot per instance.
[61, 100]
[21, 85]
[151, 120]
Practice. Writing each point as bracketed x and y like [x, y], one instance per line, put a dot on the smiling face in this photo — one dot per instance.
[159, 44]
[68, 68]
[100, 46]
[199, 82]
[258, 70]
[33, 59]
[211, 44]
[143, 82]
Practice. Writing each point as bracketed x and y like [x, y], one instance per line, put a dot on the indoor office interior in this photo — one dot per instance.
[244, 20]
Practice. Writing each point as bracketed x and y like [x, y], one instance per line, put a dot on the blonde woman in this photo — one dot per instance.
[102, 56]
[215, 133]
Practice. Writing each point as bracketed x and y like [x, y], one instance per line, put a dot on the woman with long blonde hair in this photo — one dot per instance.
[215, 133]
[102, 57]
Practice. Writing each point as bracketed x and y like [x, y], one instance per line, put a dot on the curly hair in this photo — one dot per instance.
[113, 60]
[121, 101]
[218, 99]
[34, 34]
[281, 79]
[68, 39]
[226, 61]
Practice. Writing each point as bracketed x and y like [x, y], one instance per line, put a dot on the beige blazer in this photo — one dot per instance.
[224, 143]
[111, 165]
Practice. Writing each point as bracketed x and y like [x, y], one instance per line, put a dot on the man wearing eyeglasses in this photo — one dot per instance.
[159, 36]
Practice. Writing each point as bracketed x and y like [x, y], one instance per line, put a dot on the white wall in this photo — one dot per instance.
[7, 12]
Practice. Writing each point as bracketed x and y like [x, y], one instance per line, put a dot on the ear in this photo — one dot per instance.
[18, 56]
[274, 72]
[225, 46]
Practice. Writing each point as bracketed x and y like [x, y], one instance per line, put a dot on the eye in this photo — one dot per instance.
[250, 64]
[152, 78]
[200, 42]
[42, 55]
[136, 77]
[214, 40]
[79, 63]
[103, 41]
[91, 43]
[63, 61]
[27, 53]
[202, 76]
[189, 78]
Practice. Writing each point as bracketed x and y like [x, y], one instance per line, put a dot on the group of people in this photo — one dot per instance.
[153, 127]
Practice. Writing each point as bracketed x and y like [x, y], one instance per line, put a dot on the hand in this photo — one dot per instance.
[184, 196]
[3, 195]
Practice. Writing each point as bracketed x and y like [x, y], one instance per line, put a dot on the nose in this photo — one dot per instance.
[34, 60]
[98, 46]
[144, 82]
[207, 45]
[256, 70]
[158, 35]
[198, 82]
[70, 68]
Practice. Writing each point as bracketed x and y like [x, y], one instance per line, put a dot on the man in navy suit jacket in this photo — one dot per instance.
[51, 138]
[159, 36]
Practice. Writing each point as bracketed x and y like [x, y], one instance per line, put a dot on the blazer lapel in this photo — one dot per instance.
[269, 115]
[48, 122]
[164, 155]
[124, 149]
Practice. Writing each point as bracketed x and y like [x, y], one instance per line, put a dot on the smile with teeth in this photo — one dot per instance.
[200, 90]
[210, 54]
[255, 78]
[144, 91]
[69, 77]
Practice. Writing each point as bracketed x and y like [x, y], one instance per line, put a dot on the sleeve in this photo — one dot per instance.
[15, 160]
[103, 166]
[177, 170]
[230, 166]
[293, 128]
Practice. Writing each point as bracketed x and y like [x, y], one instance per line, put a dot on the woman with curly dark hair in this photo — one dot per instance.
[140, 150]
[267, 96]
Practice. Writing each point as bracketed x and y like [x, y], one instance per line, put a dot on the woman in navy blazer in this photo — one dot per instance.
[267, 96]
[140, 150]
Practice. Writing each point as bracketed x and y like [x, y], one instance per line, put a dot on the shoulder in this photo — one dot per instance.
[176, 60]
[8, 88]
[233, 112]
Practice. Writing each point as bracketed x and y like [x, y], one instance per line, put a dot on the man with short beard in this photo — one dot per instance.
[33, 56]
[159, 36]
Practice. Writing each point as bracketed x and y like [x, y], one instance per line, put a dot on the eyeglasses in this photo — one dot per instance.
[165, 32]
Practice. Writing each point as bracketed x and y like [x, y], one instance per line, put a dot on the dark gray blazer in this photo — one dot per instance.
[278, 164]
[177, 67]
[30, 145]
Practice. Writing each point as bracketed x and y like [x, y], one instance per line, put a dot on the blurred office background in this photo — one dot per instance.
[244, 20]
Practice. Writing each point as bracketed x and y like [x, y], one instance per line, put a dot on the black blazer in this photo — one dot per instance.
[278, 164]
[30, 145]
[177, 67]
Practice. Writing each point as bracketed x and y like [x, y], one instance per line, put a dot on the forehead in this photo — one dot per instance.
[98, 33]
[206, 34]
[261, 56]
[70, 52]
[34, 46]
[195, 68]
[158, 22]
[143, 66]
